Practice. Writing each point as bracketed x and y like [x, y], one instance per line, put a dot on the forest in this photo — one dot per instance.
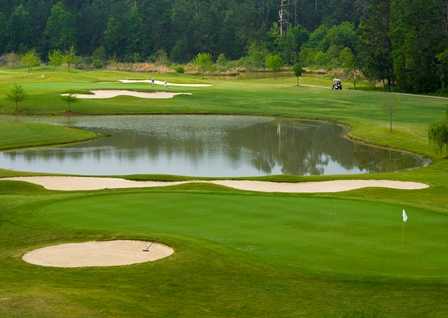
[400, 43]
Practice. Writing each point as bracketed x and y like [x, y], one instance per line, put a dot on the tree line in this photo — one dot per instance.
[400, 43]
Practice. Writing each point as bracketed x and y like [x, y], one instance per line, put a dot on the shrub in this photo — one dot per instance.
[97, 63]
[178, 68]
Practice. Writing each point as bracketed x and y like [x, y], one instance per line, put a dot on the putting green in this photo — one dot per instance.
[315, 234]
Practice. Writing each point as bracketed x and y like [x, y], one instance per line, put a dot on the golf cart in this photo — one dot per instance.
[337, 84]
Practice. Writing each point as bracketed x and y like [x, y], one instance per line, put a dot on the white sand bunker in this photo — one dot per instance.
[320, 186]
[108, 253]
[90, 183]
[94, 183]
[162, 83]
[115, 93]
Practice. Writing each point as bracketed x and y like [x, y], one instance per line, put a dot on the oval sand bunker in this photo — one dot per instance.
[108, 253]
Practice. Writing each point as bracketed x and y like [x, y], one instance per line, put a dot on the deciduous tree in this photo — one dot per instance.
[418, 33]
[60, 30]
[349, 64]
[70, 57]
[389, 107]
[56, 58]
[13, 59]
[298, 70]
[100, 54]
[343, 35]
[256, 56]
[19, 31]
[274, 63]
[134, 32]
[114, 37]
[30, 60]
[161, 58]
[438, 134]
[204, 62]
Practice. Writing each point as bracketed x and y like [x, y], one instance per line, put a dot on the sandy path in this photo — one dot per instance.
[107, 253]
[115, 93]
[93, 183]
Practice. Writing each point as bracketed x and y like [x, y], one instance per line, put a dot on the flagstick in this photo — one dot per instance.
[402, 235]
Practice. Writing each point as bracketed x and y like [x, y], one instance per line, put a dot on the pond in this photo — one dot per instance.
[206, 146]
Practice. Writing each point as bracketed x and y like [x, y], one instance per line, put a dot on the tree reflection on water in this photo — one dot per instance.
[200, 145]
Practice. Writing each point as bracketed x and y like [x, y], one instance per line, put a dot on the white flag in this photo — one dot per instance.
[405, 217]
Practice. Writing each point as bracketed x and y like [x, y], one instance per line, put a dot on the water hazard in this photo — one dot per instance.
[206, 145]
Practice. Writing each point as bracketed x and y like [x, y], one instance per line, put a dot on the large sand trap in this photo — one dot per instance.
[92, 183]
[162, 83]
[322, 186]
[89, 183]
[115, 93]
[108, 253]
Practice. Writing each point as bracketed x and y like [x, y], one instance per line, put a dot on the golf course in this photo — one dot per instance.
[237, 253]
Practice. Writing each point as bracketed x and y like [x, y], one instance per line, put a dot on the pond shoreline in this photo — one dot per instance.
[208, 146]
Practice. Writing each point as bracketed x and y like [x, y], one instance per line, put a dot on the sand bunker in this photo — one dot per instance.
[108, 253]
[115, 93]
[89, 183]
[162, 83]
[93, 183]
[322, 186]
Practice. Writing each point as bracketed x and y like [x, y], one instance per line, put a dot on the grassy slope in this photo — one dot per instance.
[207, 277]
[18, 135]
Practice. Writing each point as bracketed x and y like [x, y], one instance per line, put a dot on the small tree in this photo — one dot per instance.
[161, 58]
[204, 62]
[70, 57]
[221, 60]
[389, 107]
[13, 59]
[298, 70]
[17, 94]
[30, 60]
[100, 54]
[274, 63]
[349, 64]
[438, 134]
[69, 98]
[56, 58]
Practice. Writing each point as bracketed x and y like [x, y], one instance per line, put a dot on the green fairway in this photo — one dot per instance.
[362, 110]
[354, 238]
[237, 253]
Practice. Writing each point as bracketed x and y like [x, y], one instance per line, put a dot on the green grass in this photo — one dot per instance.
[19, 135]
[237, 254]
[354, 238]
